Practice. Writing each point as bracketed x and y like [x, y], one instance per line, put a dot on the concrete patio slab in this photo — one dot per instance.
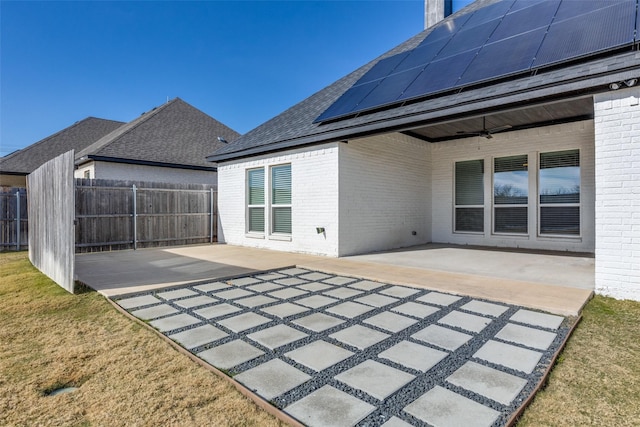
[256, 301]
[415, 309]
[270, 276]
[174, 322]
[544, 320]
[390, 321]
[366, 285]
[414, 356]
[265, 287]
[318, 322]
[139, 301]
[231, 354]
[290, 281]
[244, 321]
[316, 301]
[285, 309]
[359, 336]
[518, 358]
[329, 407]
[443, 408]
[154, 312]
[396, 422]
[195, 337]
[196, 301]
[273, 378]
[530, 337]
[438, 299]
[319, 355]
[175, 294]
[343, 293]
[339, 280]
[315, 276]
[442, 337]
[350, 309]
[244, 281]
[468, 322]
[233, 293]
[485, 308]
[399, 292]
[315, 286]
[496, 385]
[375, 379]
[218, 310]
[211, 287]
[376, 300]
[288, 293]
[277, 336]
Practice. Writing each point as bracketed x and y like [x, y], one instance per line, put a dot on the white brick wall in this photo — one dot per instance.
[531, 141]
[617, 153]
[384, 193]
[127, 172]
[314, 175]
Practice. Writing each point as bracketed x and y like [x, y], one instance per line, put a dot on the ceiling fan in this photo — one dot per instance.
[487, 133]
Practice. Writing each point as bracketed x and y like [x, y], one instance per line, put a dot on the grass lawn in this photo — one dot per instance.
[129, 376]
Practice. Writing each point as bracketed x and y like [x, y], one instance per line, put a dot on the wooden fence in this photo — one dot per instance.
[14, 218]
[113, 215]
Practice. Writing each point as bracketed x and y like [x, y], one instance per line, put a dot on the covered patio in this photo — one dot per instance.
[559, 283]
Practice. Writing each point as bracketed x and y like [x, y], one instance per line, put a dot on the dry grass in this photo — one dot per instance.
[126, 375]
[596, 381]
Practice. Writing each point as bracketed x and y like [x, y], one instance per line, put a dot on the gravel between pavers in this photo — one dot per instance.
[294, 278]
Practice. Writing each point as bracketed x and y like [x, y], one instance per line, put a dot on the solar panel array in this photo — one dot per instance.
[504, 39]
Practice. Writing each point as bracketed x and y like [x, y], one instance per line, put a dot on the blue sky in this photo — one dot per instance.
[241, 62]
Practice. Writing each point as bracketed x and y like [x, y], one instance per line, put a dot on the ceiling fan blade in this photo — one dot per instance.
[499, 128]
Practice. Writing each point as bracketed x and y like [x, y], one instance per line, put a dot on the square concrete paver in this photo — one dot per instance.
[316, 301]
[315, 286]
[273, 378]
[329, 407]
[255, 301]
[287, 293]
[518, 358]
[414, 356]
[442, 337]
[315, 276]
[415, 309]
[264, 287]
[174, 322]
[154, 312]
[233, 293]
[128, 303]
[290, 281]
[549, 321]
[231, 354]
[195, 301]
[399, 291]
[211, 287]
[396, 422]
[244, 281]
[339, 280]
[244, 321]
[375, 379]
[285, 309]
[359, 336]
[277, 336]
[318, 322]
[391, 322]
[486, 308]
[294, 271]
[217, 310]
[195, 337]
[443, 408]
[343, 293]
[376, 300]
[468, 322]
[366, 285]
[177, 293]
[439, 299]
[349, 309]
[496, 385]
[270, 276]
[530, 337]
[319, 355]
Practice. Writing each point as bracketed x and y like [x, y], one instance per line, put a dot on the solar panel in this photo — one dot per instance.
[568, 39]
[526, 19]
[440, 75]
[505, 57]
[499, 40]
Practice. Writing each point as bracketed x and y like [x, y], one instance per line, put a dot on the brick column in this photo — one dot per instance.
[617, 223]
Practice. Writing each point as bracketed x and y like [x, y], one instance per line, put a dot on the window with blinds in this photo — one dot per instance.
[281, 199]
[511, 194]
[469, 196]
[559, 192]
[255, 200]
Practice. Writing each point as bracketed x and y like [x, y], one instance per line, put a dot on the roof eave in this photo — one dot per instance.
[89, 158]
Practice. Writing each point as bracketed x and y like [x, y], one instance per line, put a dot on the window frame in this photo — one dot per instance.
[457, 206]
[250, 206]
[273, 205]
[495, 205]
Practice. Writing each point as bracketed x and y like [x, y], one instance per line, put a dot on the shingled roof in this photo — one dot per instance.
[298, 126]
[76, 137]
[174, 134]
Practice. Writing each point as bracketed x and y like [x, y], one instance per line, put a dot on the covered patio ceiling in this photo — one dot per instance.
[507, 121]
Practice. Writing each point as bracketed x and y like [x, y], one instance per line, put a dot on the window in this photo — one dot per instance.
[87, 174]
[511, 194]
[281, 199]
[469, 196]
[255, 200]
[559, 191]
